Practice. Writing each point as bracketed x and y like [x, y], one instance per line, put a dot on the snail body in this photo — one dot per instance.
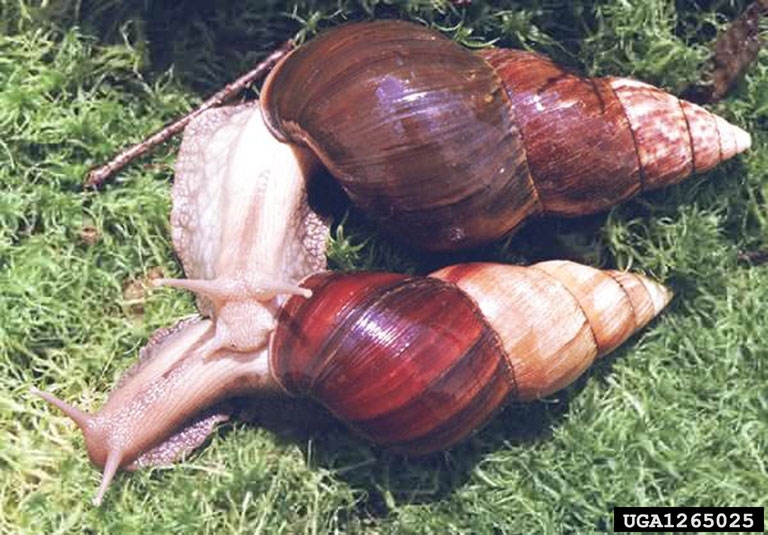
[415, 364]
[241, 223]
[452, 148]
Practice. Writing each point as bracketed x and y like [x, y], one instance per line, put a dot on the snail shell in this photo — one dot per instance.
[418, 363]
[415, 364]
[451, 149]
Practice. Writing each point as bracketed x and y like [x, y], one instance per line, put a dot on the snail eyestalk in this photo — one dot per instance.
[88, 427]
[243, 309]
[258, 287]
[166, 405]
[81, 418]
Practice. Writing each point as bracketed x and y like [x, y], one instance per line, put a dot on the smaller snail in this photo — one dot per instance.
[449, 149]
[413, 363]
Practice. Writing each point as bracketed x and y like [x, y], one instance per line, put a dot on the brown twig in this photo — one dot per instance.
[99, 175]
[757, 258]
[735, 51]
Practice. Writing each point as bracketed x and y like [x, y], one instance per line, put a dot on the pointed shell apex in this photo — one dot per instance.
[734, 139]
[743, 139]
[660, 295]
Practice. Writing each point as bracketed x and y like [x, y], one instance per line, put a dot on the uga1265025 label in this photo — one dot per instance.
[701, 519]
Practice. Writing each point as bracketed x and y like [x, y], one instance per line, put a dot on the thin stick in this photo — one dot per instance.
[757, 258]
[98, 176]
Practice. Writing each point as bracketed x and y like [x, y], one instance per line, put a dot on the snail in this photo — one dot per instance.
[415, 363]
[448, 148]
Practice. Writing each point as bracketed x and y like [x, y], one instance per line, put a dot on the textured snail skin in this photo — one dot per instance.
[244, 232]
[241, 223]
[451, 149]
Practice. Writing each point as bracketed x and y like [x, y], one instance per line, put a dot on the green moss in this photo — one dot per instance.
[679, 416]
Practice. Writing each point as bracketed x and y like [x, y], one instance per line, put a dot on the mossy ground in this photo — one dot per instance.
[679, 416]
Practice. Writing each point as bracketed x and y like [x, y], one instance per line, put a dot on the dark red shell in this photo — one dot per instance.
[409, 363]
[578, 142]
[417, 130]
[450, 149]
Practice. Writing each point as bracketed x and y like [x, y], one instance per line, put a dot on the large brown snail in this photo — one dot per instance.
[449, 148]
[413, 363]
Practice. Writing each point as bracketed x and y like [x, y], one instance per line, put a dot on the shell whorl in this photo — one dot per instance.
[387, 107]
[418, 363]
[675, 138]
[409, 363]
[593, 142]
[554, 318]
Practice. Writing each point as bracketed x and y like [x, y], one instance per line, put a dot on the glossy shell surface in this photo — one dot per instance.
[417, 130]
[449, 148]
[410, 363]
[418, 363]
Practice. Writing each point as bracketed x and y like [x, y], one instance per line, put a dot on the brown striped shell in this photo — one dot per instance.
[450, 149]
[417, 364]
